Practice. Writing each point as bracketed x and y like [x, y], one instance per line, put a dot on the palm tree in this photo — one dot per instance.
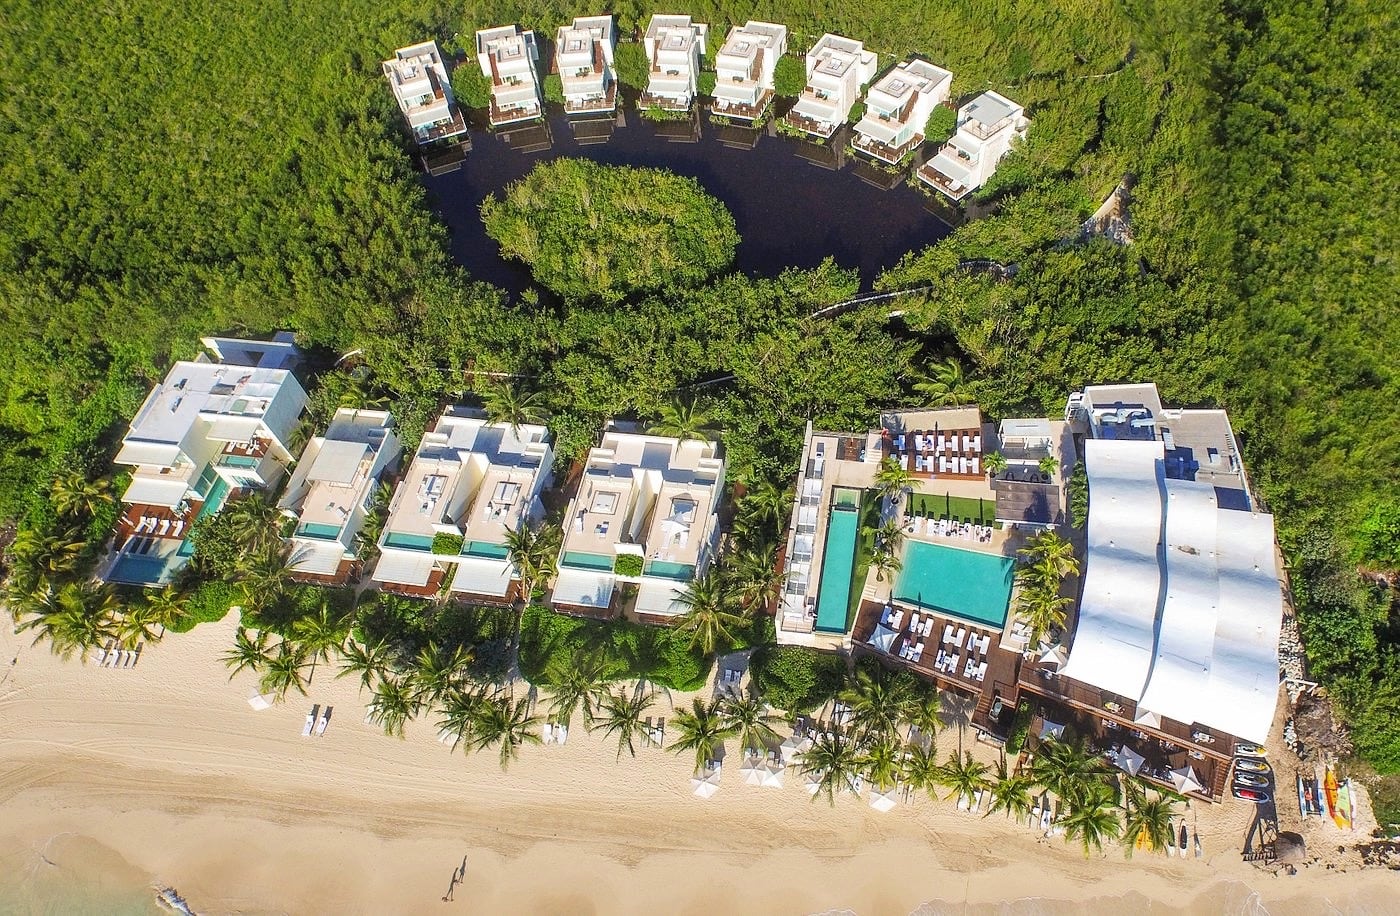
[879, 702]
[1041, 607]
[619, 712]
[834, 761]
[509, 723]
[945, 385]
[701, 729]
[75, 617]
[1148, 820]
[1092, 818]
[283, 671]
[956, 708]
[534, 553]
[708, 617]
[263, 576]
[927, 715]
[437, 671]
[249, 652]
[922, 769]
[252, 520]
[320, 634]
[680, 419]
[892, 479]
[763, 511]
[1067, 769]
[883, 763]
[885, 564]
[747, 718]
[73, 494]
[583, 683]
[753, 570]
[54, 554]
[512, 405]
[965, 777]
[369, 662]
[1011, 792]
[393, 704]
[994, 462]
[1051, 554]
[167, 606]
[139, 624]
[1048, 465]
[459, 714]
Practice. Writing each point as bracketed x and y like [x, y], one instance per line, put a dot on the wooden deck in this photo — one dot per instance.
[160, 522]
[427, 590]
[344, 573]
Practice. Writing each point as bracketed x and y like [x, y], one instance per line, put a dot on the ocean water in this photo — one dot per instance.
[69, 875]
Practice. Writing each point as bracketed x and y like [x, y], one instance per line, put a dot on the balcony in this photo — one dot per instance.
[891, 155]
[606, 102]
[822, 129]
[731, 109]
[514, 114]
[949, 187]
[985, 131]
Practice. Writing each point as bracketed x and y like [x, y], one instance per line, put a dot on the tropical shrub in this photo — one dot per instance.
[628, 564]
[447, 544]
[789, 77]
[796, 678]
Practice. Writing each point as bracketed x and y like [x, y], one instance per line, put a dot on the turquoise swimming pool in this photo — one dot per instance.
[681, 572]
[970, 585]
[838, 564]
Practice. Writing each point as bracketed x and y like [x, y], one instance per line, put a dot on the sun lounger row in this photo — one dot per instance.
[942, 464]
[938, 442]
[948, 528]
[160, 527]
[655, 734]
[115, 656]
[316, 725]
[552, 733]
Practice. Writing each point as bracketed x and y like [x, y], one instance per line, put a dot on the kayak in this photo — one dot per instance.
[1182, 842]
[1329, 790]
[1343, 814]
[1302, 799]
[1196, 841]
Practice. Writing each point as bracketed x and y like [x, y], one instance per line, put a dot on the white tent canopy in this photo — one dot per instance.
[1185, 780]
[1129, 761]
[883, 638]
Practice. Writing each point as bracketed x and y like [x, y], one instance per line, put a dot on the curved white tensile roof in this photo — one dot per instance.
[1113, 642]
[1244, 677]
[1176, 687]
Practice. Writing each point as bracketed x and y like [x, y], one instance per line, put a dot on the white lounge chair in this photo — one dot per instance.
[310, 722]
[918, 652]
[1035, 816]
[914, 623]
[958, 639]
[981, 671]
[896, 619]
[985, 644]
[134, 656]
[164, 527]
[899, 443]
[444, 735]
[948, 633]
[178, 527]
[561, 733]
[971, 640]
[322, 722]
[547, 732]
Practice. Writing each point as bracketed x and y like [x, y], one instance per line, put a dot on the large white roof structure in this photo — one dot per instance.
[1182, 604]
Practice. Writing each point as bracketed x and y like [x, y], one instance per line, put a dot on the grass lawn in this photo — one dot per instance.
[960, 508]
[865, 549]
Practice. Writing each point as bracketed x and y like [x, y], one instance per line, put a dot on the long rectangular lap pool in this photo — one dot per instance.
[838, 562]
[965, 583]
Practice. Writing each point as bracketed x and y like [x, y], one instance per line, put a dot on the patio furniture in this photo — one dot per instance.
[918, 441]
[958, 640]
[914, 623]
[904, 461]
[981, 670]
[899, 443]
[896, 619]
[948, 633]
[918, 652]
[970, 667]
[977, 443]
[975, 465]
[942, 442]
[971, 640]
[938, 662]
[985, 644]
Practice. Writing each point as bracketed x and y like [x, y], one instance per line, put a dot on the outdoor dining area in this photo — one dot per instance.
[942, 646]
[937, 452]
[1135, 752]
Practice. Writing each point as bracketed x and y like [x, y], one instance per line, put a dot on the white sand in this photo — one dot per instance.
[164, 771]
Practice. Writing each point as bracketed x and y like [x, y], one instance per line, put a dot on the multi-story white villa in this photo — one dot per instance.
[583, 52]
[646, 513]
[507, 56]
[674, 46]
[744, 69]
[469, 485]
[332, 491]
[897, 110]
[988, 126]
[837, 68]
[419, 80]
[213, 425]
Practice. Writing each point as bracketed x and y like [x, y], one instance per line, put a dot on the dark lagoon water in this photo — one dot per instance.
[789, 212]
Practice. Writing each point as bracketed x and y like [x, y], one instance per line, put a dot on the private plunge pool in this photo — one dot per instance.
[789, 212]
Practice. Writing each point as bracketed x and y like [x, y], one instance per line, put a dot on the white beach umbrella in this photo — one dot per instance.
[883, 638]
[1149, 718]
[261, 701]
[1050, 729]
[772, 776]
[1054, 655]
[1129, 761]
[794, 746]
[752, 771]
[706, 787]
[883, 801]
[1185, 780]
[814, 784]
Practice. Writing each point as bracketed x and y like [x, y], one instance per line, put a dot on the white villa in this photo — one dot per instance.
[744, 69]
[508, 56]
[471, 480]
[897, 109]
[213, 425]
[583, 52]
[421, 87]
[332, 490]
[674, 47]
[988, 127]
[646, 513]
[1182, 599]
[837, 68]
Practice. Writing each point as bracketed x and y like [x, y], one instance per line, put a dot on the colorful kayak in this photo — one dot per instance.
[1329, 791]
[1343, 813]
[1302, 799]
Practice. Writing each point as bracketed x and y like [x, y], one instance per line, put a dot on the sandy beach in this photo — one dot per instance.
[112, 780]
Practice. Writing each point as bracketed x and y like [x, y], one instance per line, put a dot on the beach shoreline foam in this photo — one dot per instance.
[163, 774]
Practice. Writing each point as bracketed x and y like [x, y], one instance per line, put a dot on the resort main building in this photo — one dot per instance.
[1171, 658]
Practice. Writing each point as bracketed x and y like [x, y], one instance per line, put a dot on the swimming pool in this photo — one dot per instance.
[681, 572]
[965, 583]
[838, 563]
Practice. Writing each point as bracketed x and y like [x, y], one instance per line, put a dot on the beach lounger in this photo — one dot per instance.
[322, 722]
[101, 653]
[310, 721]
[918, 442]
[178, 527]
[134, 655]
[971, 640]
[962, 802]
[120, 660]
[914, 623]
[904, 461]
[444, 734]
[899, 443]
[938, 661]
[977, 443]
[981, 671]
[547, 733]
[1045, 819]
[985, 644]
[1035, 817]
[948, 633]
[561, 733]
[918, 652]
[164, 527]
[975, 465]
[896, 619]
[958, 639]
[942, 443]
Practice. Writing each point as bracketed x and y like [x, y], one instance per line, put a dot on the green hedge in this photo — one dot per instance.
[628, 564]
[209, 602]
[551, 643]
[796, 678]
[448, 545]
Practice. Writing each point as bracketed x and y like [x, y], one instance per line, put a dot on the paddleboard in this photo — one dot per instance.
[1183, 838]
[1302, 800]
[1196, 839]
[1343, 813]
